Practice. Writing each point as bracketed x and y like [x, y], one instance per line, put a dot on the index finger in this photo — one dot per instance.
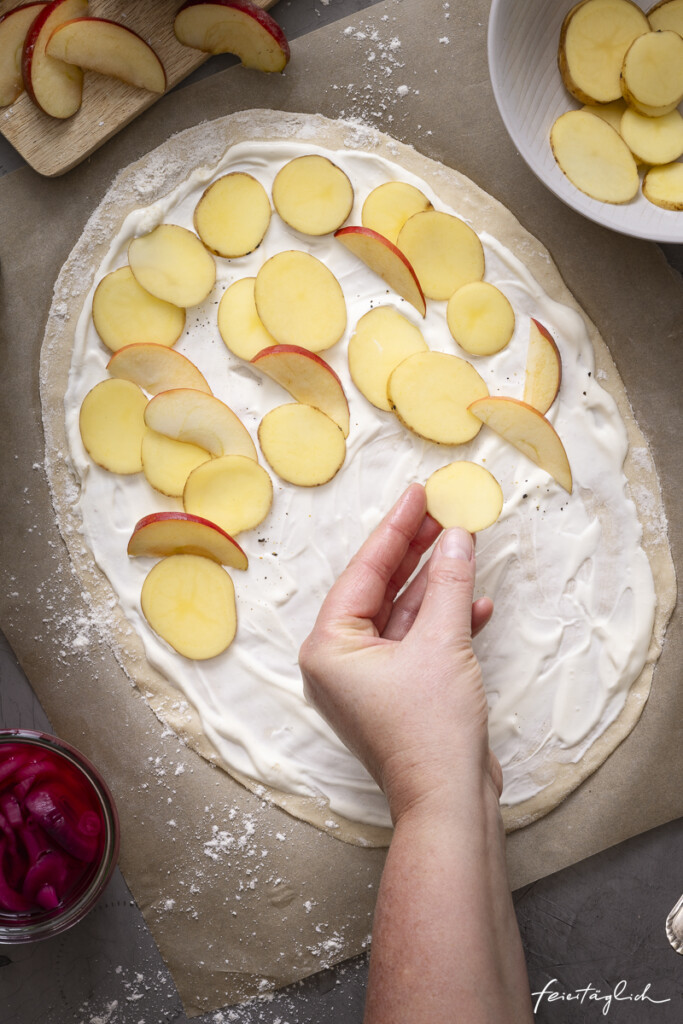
[361, 590]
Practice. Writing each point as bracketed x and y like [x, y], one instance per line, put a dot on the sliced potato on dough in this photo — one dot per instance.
[594, 157]
[480, 318]
[389, 206]
[443, 250]
[112, 425]
[594, 38]
[383, 338]
[171, 263]
[125, 313]
[232, 215]
[302, 444]
[233, 492]
[312, 195]
[299, 301]
[430, 393]
[239, 324]
[167, 463]
[464, 494]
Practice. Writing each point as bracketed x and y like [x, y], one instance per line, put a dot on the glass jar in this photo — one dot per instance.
[59, 835]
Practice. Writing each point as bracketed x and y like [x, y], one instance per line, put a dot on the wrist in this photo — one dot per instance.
[467, 792]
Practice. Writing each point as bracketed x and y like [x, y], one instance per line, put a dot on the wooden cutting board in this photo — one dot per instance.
[52, 146]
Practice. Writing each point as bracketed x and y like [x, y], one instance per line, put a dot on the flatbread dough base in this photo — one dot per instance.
[154, 176]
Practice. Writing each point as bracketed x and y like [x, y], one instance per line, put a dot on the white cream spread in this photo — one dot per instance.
[573, 590]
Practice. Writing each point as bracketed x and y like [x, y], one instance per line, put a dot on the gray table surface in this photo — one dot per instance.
[593, 933]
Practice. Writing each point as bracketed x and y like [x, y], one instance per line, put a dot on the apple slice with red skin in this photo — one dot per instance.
[195, 417]
[307, 378]
[102, 45]
[14, 26]
[156, 368]
[233, 26]
[179, 533]
[55, 87]
[382, 256]
[529, 431]
[543, 368]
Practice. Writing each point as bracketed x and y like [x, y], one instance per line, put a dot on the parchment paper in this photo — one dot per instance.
[240, 896]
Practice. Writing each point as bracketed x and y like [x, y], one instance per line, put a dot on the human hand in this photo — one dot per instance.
[396, 677]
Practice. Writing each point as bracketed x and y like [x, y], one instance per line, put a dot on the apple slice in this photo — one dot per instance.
[14, 26]
[480, 318]
[189, 601]
[543, 368]
[529, 431]
[239, 324]
[444, 252]
[385, 259]
[184, 414]
[303, 445]
[124, 313]
[171, 263]
[98, 44]
[178, 533]
[312, 195]
[233, 492]
[464, 494]
[300, 301]
[156, 368]
[308, 378]
[430, 392]
[167, 463]
[55, 87]
[388, 207]
[232, 215]
[383, 339]
[112, 425]
[233, 26]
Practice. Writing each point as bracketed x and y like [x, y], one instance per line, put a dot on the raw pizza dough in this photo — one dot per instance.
[153, 177]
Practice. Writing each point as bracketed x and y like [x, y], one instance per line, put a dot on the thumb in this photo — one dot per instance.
[445, 615]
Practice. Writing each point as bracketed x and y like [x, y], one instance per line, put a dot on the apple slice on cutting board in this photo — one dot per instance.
[55, 87]
[178, 533]
[189, 601]
[529, 431]
[197, 418]
[464, 494]
[167, 463]
[112, 425]
[125, 313]
[312, 195]
[385, 259]
[303, 445]
[233, 492]
[299, 301]
[233, 26]
[98, 44]
[431, 392]
[14, 26]
[543, 368]
[173, 264]
[307, 378]
[156, 368]
[383, 338]
[239, 324]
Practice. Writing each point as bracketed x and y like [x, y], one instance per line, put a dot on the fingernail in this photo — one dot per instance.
[457, 543]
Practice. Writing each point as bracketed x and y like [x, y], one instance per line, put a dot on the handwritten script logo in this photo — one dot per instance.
[590, 994]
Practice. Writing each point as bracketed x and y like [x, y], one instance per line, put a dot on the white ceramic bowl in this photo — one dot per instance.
[522, 48]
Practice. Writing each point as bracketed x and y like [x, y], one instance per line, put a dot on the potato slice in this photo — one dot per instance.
[652, 73]
[232, 215]
[388, 207]
[155, 368]
[239, 324]
[171, 263]
[112, 425]
[529, 431]
[178, 533]
[303, 445]
[444, 252]
[654, 140]
[189, 601]
[610, 112]
[594, 157]
[300, 301]
[663, 186]
[308, 379]
[464, 494]
[125, 313]
[667, 14]
[167, 463]
[430, 393]
[383, 339]
[312, 195]
[543, 374]
[480, 318]
[233, 492]
[594, 38]
[197, 418]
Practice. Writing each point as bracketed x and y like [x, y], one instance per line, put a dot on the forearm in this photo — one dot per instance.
[446, 947]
